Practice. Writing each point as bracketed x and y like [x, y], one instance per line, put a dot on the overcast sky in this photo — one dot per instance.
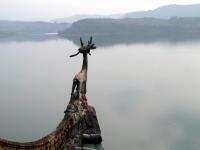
[50, 9]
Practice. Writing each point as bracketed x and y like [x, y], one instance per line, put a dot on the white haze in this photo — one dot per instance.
[45, 10]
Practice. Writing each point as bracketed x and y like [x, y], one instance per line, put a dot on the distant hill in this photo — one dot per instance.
[19, 30]
[167, 12]
[109, 31]
[164, 12]
[23, 27]
[75, 18]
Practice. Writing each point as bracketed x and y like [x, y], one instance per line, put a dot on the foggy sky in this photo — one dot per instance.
[30, 10]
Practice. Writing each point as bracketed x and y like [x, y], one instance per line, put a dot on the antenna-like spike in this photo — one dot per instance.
[81, 41]
[90, 42]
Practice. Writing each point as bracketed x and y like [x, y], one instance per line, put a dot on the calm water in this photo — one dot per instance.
[146, 95]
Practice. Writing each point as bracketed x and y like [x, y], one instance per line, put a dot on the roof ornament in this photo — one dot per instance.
[85, 49]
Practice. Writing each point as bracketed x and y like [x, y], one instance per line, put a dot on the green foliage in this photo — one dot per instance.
[141, 29]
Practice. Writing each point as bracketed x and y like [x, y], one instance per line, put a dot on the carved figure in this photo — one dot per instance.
[79, 90]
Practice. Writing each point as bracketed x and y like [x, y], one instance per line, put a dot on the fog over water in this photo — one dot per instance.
[146, 95]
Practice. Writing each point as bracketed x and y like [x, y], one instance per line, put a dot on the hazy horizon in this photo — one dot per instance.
[143, 79]
[47, 10]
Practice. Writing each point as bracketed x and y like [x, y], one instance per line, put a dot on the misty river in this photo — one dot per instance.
[146, 95]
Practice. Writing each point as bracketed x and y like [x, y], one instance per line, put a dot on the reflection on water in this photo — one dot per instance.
[146, 95]
[101, 41]
[110, 40]
[37, 37]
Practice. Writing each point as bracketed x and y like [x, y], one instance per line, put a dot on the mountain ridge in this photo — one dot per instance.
[168, 11]
[129, 30]
[163, 12]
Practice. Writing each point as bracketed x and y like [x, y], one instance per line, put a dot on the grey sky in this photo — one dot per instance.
[50, 9]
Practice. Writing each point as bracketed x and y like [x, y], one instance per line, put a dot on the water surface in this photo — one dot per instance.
[146, 95]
